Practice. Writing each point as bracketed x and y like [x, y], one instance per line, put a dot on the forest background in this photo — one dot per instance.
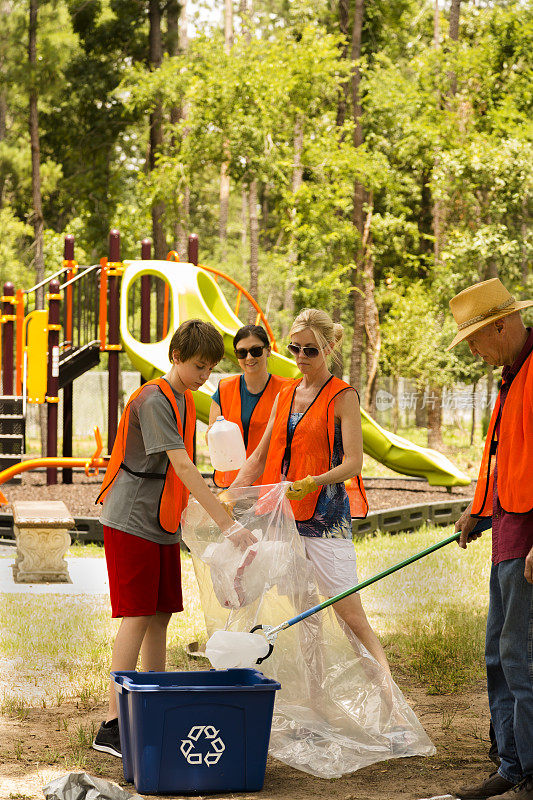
[370, 157]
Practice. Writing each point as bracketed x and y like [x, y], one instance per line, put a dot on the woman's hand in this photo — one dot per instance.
[300, 489]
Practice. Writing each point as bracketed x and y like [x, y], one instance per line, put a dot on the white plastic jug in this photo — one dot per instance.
[226, 446]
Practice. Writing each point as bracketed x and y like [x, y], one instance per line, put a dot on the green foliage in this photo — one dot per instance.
[467, 152]
[14, 246]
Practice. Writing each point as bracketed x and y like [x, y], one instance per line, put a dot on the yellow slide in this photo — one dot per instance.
[195, 294]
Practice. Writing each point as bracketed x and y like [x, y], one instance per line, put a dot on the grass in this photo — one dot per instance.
[431, 614]
[430, 617]
[86, 550]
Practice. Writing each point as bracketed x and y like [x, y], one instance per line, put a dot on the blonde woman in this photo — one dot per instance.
[314, 439]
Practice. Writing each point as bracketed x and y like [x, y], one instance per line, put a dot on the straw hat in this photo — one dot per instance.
[481, 304]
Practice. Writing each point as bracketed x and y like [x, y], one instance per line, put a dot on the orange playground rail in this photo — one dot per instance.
[92, 465]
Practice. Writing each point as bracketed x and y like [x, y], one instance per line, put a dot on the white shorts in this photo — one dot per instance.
[334, 563]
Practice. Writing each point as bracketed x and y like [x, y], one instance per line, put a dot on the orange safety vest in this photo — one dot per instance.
[230, 407]
[309, 452]
[174, 495]
[514, 447]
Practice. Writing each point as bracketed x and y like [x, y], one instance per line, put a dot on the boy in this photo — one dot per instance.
[144, 491]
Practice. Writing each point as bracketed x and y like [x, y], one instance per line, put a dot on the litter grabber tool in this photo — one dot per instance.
[271, 632]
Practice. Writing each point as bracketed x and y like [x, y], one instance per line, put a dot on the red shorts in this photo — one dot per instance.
[144, 577]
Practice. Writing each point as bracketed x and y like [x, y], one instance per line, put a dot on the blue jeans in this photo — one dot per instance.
[509, 659]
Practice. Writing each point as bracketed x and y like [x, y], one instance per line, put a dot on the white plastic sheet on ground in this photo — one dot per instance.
[337, 710]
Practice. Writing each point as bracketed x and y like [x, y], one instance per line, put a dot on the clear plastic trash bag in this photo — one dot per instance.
[240, 577]
[337, 710]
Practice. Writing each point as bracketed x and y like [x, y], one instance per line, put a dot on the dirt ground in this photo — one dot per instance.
[48, 743]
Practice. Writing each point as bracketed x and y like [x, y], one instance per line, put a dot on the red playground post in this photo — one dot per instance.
[192, 249]
[52, 394]
[68, 389]
[8, 321]
[114, 270]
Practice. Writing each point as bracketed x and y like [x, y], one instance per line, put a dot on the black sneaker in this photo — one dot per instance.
[107, 739]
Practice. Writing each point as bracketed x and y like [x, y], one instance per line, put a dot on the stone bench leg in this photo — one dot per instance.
[40, 556]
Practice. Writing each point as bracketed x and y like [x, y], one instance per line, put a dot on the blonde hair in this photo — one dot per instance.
[327, 332]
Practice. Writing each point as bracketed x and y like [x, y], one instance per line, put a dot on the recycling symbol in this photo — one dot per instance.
[215, 744]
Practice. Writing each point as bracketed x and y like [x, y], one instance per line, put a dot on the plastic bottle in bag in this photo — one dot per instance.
[226, 446]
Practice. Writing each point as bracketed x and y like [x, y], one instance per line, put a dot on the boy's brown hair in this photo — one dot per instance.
[197, 338]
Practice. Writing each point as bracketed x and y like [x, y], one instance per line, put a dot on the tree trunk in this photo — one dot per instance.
[292, 255]
[156, 128]
[342, 103]
[473, 427]
[358, 201]
[244, 225]
[487, 411]
[254, 248]
[434, 410]
[3, 115]
[395, 390]
[156, 140]
[524, 227]
[181, 225]
[37, 211]
[177, 42]
[373, 333]
[453, 32]
[337, 366]
[224, 204]
[455, 10]
[436, 25]
[421, 417]
[224, 174]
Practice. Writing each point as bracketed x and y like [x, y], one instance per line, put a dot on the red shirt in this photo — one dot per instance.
[512, 534]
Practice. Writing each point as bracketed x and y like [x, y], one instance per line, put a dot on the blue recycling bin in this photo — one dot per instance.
[195, 732]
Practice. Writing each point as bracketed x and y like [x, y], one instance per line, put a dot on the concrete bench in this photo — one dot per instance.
[41, 530]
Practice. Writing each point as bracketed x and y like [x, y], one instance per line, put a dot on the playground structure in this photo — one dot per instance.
[109, 307]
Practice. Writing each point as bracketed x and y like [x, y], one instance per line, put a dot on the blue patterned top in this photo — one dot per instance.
[332, 519]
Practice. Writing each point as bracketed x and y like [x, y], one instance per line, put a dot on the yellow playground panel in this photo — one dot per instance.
[35, 344]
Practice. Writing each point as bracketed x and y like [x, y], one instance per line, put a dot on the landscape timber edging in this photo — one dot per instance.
[408, 518]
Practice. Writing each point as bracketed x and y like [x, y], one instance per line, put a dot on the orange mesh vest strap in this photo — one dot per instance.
[309, 452]
[514, 447]
[230, 406]
[174, 495]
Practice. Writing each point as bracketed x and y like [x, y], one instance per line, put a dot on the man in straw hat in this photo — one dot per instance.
[489, 320]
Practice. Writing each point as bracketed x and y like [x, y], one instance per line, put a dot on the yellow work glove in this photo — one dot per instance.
[299, 489]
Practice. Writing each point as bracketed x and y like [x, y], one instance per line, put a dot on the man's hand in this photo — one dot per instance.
[466, 524]
[299, 489]
[528, 571]
[239, 536]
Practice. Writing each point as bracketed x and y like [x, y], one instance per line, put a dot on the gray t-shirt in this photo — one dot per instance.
[133, 502]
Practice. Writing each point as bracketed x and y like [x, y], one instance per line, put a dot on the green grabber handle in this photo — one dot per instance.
[271, 633]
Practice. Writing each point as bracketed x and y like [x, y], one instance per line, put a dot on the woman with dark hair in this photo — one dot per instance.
[247, 399]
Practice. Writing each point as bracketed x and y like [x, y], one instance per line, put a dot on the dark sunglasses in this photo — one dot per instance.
[256, 351]
[309, 352]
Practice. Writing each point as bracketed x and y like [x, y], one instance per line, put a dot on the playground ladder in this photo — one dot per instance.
[12, 431]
